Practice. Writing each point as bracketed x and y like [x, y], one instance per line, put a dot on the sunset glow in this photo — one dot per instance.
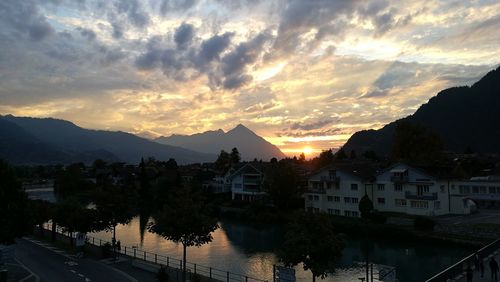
[298, 73]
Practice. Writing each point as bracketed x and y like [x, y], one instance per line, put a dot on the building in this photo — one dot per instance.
[247, 182]
[400, 188]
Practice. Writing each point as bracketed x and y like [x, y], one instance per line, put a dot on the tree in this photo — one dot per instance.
[73, 217]
[312, 241]
[302, 157]
[235, 156]
[341, 155]
[41, 211]
[223, 160]
[185, 219]
[282, 184]
[353, 155]
[114, 206]
[365, 207]
[415, 143]
[14, 214]
[71, 182]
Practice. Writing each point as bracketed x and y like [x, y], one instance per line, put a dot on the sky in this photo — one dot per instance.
[305, 74]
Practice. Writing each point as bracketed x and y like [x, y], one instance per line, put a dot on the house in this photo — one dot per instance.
[247, 182]
[399, 188]
[338, 189]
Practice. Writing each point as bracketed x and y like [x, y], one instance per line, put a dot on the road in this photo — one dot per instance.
[50, 264]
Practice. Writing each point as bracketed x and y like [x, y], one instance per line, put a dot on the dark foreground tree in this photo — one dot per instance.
[282, 184]
[365, 207]
[185, 219]
[73, 217]
[312, 241]
[14, 214]
[114, 206]
[41, 212]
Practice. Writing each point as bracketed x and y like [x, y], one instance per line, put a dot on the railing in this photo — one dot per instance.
[459, 267]
[162, 260]
[428, 197]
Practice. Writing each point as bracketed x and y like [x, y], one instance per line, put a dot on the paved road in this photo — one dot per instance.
[483, 216]
[50, 264]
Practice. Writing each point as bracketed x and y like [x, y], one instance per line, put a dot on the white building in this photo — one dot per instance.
[399, 188]
[247, 182]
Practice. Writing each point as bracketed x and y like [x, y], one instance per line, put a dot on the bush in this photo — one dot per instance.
[196, 278]
[162, 275]
[423, 223]
[106, 250]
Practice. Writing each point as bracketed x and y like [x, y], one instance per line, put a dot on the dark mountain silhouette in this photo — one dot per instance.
[70, 142]
[249, 144]
[464, 117]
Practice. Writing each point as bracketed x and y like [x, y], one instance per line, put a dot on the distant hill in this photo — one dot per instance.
[249, 144]
[46, 140]
[464, 117]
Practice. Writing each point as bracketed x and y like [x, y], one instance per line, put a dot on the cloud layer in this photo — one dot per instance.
[297, 72]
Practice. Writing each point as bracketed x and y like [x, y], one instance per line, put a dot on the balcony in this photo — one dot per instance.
[399, 178]
[425, 197]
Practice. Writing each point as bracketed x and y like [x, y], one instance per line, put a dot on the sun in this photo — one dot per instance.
[307, 150]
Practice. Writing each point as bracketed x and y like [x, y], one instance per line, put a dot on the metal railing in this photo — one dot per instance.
[162, 260]
[459, 267]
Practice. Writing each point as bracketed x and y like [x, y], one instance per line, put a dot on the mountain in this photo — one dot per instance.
[63, 141]
[464, 117]
[249, 144]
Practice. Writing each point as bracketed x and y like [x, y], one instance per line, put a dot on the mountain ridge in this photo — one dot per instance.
[463, 116]
[71, 141]
[249, 144]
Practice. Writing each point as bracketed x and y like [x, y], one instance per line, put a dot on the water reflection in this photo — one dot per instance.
[244, 249]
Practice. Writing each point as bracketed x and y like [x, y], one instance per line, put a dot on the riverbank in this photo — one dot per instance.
[396, 227]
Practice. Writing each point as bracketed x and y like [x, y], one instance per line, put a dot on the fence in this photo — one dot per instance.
[459, 267]
[162, 260]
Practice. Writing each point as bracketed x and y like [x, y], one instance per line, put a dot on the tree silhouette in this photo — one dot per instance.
[365, 207]
[223, 160]
[282, 184]
[312, 241]
[185, 219]
[413, 142]
[341, 155]
[235, 156]
[14, 214]
[73, 217]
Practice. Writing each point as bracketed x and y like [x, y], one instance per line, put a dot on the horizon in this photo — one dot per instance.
[303, 75]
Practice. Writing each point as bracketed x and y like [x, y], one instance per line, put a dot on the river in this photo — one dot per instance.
[244, 249]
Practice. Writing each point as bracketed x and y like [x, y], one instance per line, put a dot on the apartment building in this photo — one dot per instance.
[399, 188]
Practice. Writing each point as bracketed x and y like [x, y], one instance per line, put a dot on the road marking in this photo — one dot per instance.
[37, 278]
[74, 271]
[81, 275]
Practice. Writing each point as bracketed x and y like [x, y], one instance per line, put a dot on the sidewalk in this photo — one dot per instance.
[487, 274]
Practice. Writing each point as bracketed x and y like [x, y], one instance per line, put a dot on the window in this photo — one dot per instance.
[491, 189]
[498, 190]
[336, 199]
[336, 212]
[347, 200]
[400, 202]
[380, 187]
[347, 213]
[355, 214]
[237, 185]
[421, 189]
[482, 189]
[332, 173]
[475, 189]
[381, 201]
[316, 197]
[354, 200]
[419, 204]
[315, 185]
[310, 209]
[330, 211]
[354, 187]
[310, 197]
[442, 188]
[398, 187]
[330, 198]
[437, 205]
[316, 210]
[328, 185]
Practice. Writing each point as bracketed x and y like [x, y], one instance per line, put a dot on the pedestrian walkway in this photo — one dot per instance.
[476, 273]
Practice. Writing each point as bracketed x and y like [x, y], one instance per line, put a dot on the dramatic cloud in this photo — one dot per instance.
[300, 73]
